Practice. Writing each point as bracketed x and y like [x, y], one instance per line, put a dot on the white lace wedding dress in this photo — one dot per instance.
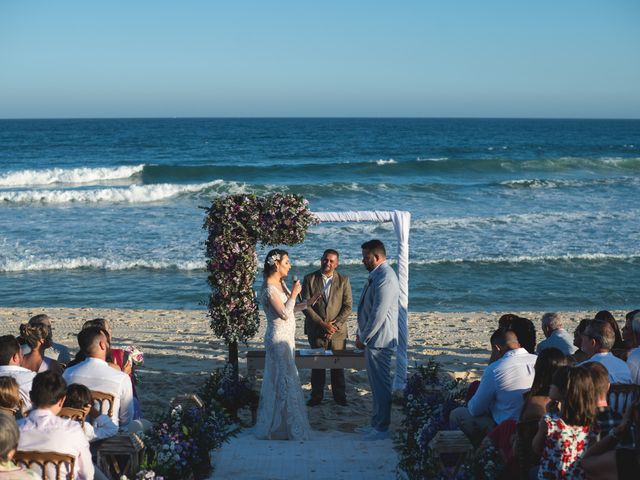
[282, 413]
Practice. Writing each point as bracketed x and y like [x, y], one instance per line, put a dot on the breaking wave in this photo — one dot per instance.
[71, 176]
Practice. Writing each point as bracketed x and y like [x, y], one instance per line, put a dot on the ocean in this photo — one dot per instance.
[506, 214]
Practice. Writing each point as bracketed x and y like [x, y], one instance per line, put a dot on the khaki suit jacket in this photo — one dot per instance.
[337, 306]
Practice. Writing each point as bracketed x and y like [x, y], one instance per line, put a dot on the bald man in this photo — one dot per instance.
[499, 396]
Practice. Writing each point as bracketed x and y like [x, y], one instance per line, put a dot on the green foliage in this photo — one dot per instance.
[235, 224]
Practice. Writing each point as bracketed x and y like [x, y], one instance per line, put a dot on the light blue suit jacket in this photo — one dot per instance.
[378, 309]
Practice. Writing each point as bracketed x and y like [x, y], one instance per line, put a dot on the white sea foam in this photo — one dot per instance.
[22, 178]
[131, 194]
[49, 264]
[385, 162]
[434, 159]
[534, 258]
[559, 183]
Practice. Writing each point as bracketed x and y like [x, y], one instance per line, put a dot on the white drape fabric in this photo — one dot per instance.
[401, 221]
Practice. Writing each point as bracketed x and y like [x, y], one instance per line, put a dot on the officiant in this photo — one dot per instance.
[326, 322]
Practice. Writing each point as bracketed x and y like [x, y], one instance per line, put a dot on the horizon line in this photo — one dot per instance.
[321, 117]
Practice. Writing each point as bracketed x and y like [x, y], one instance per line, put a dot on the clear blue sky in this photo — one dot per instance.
[475, 58]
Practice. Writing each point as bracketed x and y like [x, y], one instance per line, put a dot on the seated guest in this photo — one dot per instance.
[10, 401]
[555, 335]
[548, 363]
[10, 360]
[607, 459]
[55, 351]
[564, 434]
[536, 399]
[43, 430]
[597, 341]
[95, 373]
[38, 338]
[607, 316]
[606, 418]
[9, 435]
[631, 332]
[625, 337]
[579, 355]
[524, 329]
[97, 426]
[500, 394]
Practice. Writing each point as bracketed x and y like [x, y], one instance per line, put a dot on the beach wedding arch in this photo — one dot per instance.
[235, 225]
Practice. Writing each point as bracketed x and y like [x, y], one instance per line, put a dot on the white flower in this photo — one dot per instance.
[273, 259]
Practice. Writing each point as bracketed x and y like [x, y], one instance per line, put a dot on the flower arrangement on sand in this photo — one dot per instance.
[429, 398]
[230, 392]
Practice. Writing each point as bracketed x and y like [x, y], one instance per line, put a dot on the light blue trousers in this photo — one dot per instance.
[378, 361]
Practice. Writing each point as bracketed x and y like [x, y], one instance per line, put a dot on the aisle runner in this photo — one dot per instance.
[328, 455]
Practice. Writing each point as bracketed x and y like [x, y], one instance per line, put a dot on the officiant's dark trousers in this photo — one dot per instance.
[318, 376]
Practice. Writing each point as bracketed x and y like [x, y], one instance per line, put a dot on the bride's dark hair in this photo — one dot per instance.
[270, 261]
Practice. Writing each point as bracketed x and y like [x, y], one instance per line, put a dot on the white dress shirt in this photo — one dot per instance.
[502, 385]
[633, 362]
[618, 370]
[45, 432]
[24, 378]
[96, 374]
[326, 285]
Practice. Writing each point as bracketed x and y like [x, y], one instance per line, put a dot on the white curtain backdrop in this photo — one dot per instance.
[401, 225]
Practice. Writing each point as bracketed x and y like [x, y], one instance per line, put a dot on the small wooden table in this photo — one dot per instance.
[339, 359]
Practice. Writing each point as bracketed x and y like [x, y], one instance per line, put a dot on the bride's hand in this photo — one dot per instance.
[296, 288]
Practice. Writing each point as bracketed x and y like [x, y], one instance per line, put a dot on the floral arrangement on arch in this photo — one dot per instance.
[235, 225]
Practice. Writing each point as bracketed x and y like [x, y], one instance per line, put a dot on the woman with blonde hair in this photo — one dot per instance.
[10, 401]
[38, 337]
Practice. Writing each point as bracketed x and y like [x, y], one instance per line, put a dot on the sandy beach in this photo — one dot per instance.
[180, 351]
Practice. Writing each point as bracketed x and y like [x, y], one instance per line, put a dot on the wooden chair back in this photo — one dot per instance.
[524, 451]
[100, 398]
[621, 395]
[188, 400]
[49, 463]
[76, 414]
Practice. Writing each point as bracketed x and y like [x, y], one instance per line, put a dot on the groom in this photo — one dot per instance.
[378, 333]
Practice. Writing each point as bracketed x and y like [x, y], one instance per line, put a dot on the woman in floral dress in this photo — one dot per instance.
[564, 434]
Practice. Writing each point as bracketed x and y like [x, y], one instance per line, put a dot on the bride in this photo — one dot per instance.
[282, 413]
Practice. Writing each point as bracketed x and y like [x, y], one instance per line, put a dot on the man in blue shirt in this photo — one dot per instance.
[556, 336]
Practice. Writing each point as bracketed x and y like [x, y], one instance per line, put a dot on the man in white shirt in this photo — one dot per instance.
[500, 394]
[10, 360]
[556, 336]
[597, 342]
[631, 335]
[44, 431]
[96, 374]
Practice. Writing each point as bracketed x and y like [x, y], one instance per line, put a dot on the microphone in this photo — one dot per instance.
[295, 279]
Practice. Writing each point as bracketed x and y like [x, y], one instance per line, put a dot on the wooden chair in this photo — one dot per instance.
[188, 400]
[76, 414]
[45, 460]
[450, 448]
[621, 395]
[100, 398]
[120, 455]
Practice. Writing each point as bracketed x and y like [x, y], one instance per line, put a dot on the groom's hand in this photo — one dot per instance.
[359, 344]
